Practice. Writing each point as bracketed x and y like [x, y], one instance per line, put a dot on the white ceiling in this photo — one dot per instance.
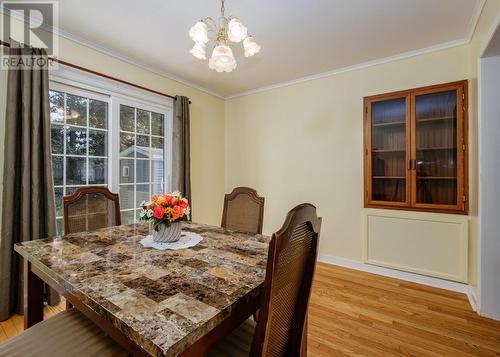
[299, 38]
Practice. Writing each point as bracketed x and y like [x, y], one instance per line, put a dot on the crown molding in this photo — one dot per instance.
[476, 14]
[123, 58]
[355, 67]
[84, 42]
[474, 20]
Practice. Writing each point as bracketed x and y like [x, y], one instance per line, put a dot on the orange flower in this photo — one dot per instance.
[177, 212]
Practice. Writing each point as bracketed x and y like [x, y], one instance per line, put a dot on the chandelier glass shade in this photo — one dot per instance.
[251, 47]
[224, 31]
[199, 50]
[222, 59]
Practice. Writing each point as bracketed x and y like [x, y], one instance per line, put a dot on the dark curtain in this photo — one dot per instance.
[28, 210]
[181, 175]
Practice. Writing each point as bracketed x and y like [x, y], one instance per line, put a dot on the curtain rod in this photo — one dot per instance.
[6, 44]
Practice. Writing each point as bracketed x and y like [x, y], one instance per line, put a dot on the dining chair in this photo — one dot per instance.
[68, 333]
[91, 208]
[243, 210]
[281, 329]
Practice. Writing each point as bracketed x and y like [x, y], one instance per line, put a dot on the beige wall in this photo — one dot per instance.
[304, 143]
[207, 124]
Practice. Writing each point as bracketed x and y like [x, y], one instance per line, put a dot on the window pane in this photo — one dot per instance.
[76, 110]
[76, 171]
[98, 114]
[98, 143]
[76, 141]
[157, 171]
[142, 121]
[57, 139]
[56, 106]
[127, 118]
[142, 146]
[127, 171]
[127, 196]
[157, 142]
[142, 194]
[98, 171]
[157, 124]
[127, 217]
[157, 152]
[58, 195]
[58, 170]
[157, 188]
[142, 170]
[127, 145]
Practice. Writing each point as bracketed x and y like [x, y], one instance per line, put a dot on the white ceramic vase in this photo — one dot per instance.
[168, 234]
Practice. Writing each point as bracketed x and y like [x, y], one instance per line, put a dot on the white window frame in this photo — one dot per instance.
[73, 81]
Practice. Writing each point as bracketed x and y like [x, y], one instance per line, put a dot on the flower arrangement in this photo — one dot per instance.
[164, 209]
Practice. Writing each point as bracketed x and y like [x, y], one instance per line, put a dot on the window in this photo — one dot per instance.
[108, 140]
[79, 138]
[142, 158]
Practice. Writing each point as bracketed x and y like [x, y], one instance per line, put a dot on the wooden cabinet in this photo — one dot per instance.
[415, 154]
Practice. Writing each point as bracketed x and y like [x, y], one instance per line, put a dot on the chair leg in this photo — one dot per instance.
[68, 305]
[303, 346]
[256, 316]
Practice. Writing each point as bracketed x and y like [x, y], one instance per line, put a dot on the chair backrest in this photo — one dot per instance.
[290, 268]
[91, 208]
[243, 210]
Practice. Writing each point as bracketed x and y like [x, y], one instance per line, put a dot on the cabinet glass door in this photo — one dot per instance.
[436, 154]
[389, 150]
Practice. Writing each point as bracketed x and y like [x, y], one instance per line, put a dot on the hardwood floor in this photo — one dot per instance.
[353, 313]
[11, 327]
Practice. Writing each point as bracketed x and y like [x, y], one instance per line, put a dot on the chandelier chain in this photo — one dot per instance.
[222, 8]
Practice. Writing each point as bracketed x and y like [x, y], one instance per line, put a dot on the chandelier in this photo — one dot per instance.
[225, 30]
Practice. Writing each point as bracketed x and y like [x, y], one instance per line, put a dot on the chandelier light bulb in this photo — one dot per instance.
[236, 31]
[199, 51]
[199, 32]
[251, 47]
[222, 59]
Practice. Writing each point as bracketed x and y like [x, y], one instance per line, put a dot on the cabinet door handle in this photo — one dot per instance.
[409, 164]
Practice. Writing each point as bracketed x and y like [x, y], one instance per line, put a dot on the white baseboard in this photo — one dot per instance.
[471, 295]
[415, 278]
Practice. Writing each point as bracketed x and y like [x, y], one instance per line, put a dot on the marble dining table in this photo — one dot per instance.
[153, 302]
